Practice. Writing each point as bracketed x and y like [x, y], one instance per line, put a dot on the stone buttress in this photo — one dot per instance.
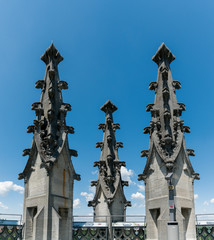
[168, 155]
[109, 199]
[49, 174]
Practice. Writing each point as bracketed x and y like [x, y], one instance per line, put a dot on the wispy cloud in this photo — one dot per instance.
[141, 187]
[206, 203]
[138, 196]
[94, 172]
[92, 189]
[88, 196]
[195, 196]
[8, 186]
[142, 205]
[3, 206]
[76, 203]
[127, 174]
[212, 200]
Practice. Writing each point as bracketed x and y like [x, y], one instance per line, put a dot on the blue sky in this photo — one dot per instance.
[107, 47]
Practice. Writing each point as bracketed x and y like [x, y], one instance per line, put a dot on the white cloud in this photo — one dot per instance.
[206, 203]
[138, 196]
[127, 174]
[3, 206]
[76, 203]
[212, 200]
[141, 187]
[138, 205]
[92, 189]
[88, 196]
[95, 172]
[195, 196]
[7, 186]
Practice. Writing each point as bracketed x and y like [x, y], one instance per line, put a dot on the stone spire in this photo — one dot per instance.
[49, 171]
[109, 198]
[167, 154]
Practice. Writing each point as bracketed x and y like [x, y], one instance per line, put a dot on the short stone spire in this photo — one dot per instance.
[50, 129]
[166, 128]
[109, 198]
[49, 173]
[167, 154]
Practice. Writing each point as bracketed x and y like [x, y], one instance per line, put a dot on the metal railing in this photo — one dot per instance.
[204, 219]
[10, 219]
[205, 226]
[10, 226]
[84, 227]
[109, 227]
[125, 218]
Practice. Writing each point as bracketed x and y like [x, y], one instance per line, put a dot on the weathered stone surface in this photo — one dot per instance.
[49, 174]
[109, 198]
[167, 153]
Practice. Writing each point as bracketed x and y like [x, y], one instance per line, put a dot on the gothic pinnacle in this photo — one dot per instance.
[166, 128]
[109, 181]
[49, 173]
[50, 129]
[168, 173]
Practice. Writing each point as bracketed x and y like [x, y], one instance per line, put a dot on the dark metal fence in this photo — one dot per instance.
[205, 226]
[10, 226]
[130, 233]
[132, 229]
[137, 233]
[205, 232]
[89, 233]
[11, 232]
[87, 230]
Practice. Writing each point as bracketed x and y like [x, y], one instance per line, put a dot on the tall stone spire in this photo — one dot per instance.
[109, 198]
[49, 173]
[167, 155]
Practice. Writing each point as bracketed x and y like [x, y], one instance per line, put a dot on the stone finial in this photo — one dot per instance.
[51, 54]
[108, 106]
[163, 54]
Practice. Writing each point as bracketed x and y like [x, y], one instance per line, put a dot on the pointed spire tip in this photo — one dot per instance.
[108, 106]
[163, 54]
[51, 53]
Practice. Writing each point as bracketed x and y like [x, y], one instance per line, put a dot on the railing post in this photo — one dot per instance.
[110, 229]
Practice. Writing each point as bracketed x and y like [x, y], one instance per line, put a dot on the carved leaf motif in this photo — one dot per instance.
[144, 153]
[70, 129]
[63, 85]
[176, 84]
[30, 129]
[149, 107]
[26, 152]
[73, 152]
[147, 130]
[153, 85]
[102, 126]
[119, 144]
[40, 84]
[191, 152]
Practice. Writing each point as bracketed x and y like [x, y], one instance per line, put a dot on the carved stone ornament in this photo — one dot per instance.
[50, 130]
[109, 179]
[167, 129]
